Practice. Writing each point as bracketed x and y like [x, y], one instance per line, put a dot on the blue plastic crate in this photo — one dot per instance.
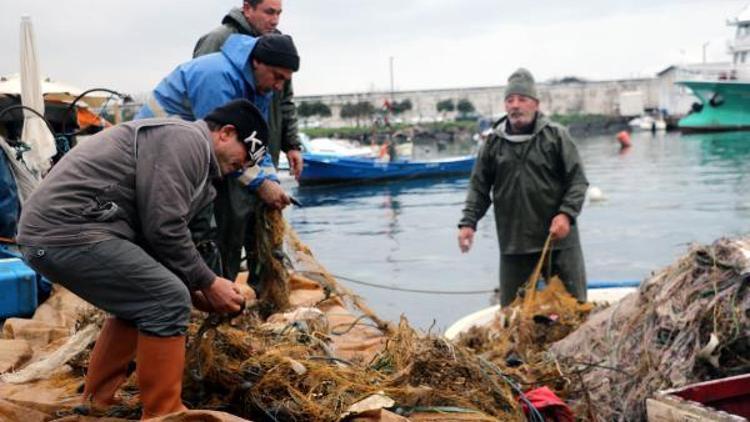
[18, 294]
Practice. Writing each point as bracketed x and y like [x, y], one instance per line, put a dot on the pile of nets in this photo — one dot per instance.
[689, 322]
[519, 335]
[307, 350]
[292, 365]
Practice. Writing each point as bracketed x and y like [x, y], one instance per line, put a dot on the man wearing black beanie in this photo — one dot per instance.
[109, 223]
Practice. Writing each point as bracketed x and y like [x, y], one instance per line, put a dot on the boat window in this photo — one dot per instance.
[717, 100]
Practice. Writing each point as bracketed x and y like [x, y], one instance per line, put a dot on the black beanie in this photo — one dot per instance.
[277, 50]
[252, 129]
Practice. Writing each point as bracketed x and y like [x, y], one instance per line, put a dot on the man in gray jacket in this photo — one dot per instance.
[530, 170]
[109, 223]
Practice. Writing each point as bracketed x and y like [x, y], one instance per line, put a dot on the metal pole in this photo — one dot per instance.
[391, 66]
[705, 44]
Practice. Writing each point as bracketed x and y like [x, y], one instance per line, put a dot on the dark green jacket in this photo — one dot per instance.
[529, 183]
[283, 113]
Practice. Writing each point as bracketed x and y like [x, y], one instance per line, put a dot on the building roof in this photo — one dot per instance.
[743, 16]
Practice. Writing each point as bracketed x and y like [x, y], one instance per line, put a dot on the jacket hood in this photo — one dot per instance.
[237, 49]
[236, 19]
[540, 123]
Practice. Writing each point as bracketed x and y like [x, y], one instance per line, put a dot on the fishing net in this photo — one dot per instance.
[308, 350]
[520, 334]
[690, 322]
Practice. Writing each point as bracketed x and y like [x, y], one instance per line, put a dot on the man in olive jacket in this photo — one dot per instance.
[530, 169]
[256, 18]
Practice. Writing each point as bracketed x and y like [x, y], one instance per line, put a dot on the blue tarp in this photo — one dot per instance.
[9, 206]
[10, 210]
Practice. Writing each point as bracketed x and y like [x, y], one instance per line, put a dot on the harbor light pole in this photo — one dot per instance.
[391, 66]
[705, 44]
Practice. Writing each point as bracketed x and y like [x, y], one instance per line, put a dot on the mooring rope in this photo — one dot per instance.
[424, 291]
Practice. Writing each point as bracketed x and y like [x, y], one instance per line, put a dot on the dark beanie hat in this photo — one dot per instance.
[277, 50]
[521, 82]
[252, 129]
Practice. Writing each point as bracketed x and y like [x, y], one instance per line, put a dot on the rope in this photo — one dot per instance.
[403, 289]
[7, 240]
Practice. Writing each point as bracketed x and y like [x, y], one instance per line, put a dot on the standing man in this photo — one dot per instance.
[256, 18]
[530, 169]
[109, 223]
[246, 67]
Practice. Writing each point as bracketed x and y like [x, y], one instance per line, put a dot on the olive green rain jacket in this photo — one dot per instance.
[529, 179]
[282, 119]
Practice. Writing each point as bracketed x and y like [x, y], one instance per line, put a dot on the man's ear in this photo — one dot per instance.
[227, 131]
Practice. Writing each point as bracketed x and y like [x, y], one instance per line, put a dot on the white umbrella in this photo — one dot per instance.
[35, 131]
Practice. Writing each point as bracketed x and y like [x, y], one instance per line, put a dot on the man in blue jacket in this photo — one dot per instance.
[246, 67]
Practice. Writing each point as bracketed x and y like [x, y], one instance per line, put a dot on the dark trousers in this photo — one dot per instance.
[219, 230]
[566, 263]
[118, 277]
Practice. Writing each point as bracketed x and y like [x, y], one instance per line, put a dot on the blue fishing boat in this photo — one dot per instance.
[331, 169]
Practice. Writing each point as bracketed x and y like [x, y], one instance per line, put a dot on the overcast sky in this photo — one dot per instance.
[345, 45]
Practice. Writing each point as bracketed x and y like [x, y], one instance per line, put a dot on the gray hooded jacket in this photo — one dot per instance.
[141, 181]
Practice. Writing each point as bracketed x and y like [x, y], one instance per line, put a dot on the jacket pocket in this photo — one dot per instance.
[115, 202]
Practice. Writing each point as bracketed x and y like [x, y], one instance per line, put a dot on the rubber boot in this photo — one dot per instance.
[160, 363]
[108, 365]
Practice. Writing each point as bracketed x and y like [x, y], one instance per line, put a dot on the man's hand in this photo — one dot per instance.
[295, 162]
[560, 227]
[222, 296]
[273, 195]
[465, 238]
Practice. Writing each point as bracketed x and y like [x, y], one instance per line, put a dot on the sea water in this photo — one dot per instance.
[656, 198]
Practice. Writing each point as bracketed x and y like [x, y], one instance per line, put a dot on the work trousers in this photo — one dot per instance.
[566, 263]
[221, 228]
[119, 277]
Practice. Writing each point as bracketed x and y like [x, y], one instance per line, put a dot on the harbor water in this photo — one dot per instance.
[658, 197]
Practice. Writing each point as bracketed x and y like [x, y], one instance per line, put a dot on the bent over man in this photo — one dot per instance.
[256, 18]
[246, 67]
[530, 170]
[109, 223]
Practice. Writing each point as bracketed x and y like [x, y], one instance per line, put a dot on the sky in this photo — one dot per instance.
[346, 45]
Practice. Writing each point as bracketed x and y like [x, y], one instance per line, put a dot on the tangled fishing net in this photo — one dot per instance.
[688, 323]
[310, 350]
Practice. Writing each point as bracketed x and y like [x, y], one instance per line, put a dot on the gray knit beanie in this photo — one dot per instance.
[521, 82]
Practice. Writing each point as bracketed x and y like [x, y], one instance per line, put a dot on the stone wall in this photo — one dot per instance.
[600, 97]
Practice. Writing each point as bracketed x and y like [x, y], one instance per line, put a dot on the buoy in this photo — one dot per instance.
[623, 137]
[596, 194]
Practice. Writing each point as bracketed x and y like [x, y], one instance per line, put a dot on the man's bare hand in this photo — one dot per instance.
[222, 296]
[560, 227]
[273, 195]
[296, 163]
[465, 238]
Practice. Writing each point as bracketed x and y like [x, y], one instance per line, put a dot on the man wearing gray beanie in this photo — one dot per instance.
[530, 170]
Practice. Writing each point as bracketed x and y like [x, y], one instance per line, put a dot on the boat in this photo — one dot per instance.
[598, 291]
[648, 123]
[332, 169]
[724, 105]
[724, 94]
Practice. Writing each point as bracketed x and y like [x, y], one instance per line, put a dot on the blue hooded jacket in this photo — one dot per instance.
[200, 85]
